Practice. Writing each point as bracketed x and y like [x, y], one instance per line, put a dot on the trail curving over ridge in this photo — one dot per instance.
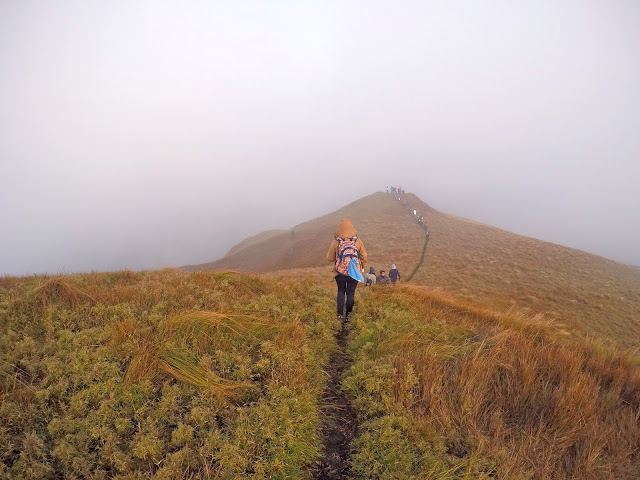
[401, 197]
[421, 261]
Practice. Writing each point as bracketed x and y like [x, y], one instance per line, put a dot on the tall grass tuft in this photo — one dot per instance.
[206, 330]
[182, 365]
[58, 290]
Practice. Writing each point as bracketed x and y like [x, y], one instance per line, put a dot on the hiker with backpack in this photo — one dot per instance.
[394, 274]
[349, 256]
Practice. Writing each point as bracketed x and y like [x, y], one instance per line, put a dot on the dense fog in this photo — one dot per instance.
[148, 134]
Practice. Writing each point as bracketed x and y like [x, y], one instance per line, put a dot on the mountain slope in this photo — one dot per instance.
[382, 223]
[592, 295]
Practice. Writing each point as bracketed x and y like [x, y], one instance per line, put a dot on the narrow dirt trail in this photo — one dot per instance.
[340, 419]
[421, 261]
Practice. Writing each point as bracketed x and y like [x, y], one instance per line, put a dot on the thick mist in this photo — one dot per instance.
[149, 134]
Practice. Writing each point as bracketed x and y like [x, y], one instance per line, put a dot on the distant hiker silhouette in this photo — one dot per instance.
[350, 257]
[394, 274]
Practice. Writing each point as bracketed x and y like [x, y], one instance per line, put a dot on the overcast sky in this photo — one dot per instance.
[144, 134]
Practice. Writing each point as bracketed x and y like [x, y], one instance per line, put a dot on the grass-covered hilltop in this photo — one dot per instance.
[504, 357]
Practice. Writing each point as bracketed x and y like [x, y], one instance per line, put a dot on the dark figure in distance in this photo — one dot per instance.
[394, 274]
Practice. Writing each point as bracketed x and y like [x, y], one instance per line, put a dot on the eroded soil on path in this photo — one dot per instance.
[340, 420]
[421, 261]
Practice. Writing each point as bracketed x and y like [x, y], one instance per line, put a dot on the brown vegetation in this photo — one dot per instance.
[165, 374]
[488, 395]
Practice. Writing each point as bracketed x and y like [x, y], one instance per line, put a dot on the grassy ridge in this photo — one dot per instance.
[448, 391]
[161, 374]
[385, 227]
[593, 296]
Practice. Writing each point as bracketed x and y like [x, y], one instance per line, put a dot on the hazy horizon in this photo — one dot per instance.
[142, 135]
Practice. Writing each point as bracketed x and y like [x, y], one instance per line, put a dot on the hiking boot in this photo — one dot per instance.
[340, 318]
[347, 319]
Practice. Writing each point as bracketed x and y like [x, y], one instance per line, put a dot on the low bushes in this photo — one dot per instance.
[161, 374]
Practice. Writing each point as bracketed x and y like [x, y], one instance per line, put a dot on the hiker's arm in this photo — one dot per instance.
[331, 254]
[363, 254]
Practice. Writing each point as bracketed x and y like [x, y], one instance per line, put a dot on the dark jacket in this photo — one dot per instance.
[394, 275]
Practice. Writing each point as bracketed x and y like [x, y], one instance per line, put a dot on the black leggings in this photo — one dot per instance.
[346, 287]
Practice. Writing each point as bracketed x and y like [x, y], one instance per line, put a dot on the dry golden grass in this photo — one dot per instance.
[166, 374]
[500, 394]
[595, 297]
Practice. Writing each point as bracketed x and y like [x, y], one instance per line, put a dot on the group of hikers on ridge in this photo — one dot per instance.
[383, 279]
[350, 260]
[397, 193]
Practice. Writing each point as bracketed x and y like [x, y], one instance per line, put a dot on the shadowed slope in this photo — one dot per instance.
[247, 242]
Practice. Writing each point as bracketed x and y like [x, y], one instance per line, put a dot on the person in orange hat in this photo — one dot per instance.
[349, 257]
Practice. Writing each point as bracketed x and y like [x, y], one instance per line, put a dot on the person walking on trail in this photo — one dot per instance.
[370, 278]
[394, 274]
[382, 278]
[349, 257]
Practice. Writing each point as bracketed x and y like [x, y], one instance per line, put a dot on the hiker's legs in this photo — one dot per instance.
[351, 293]
[341, 281]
